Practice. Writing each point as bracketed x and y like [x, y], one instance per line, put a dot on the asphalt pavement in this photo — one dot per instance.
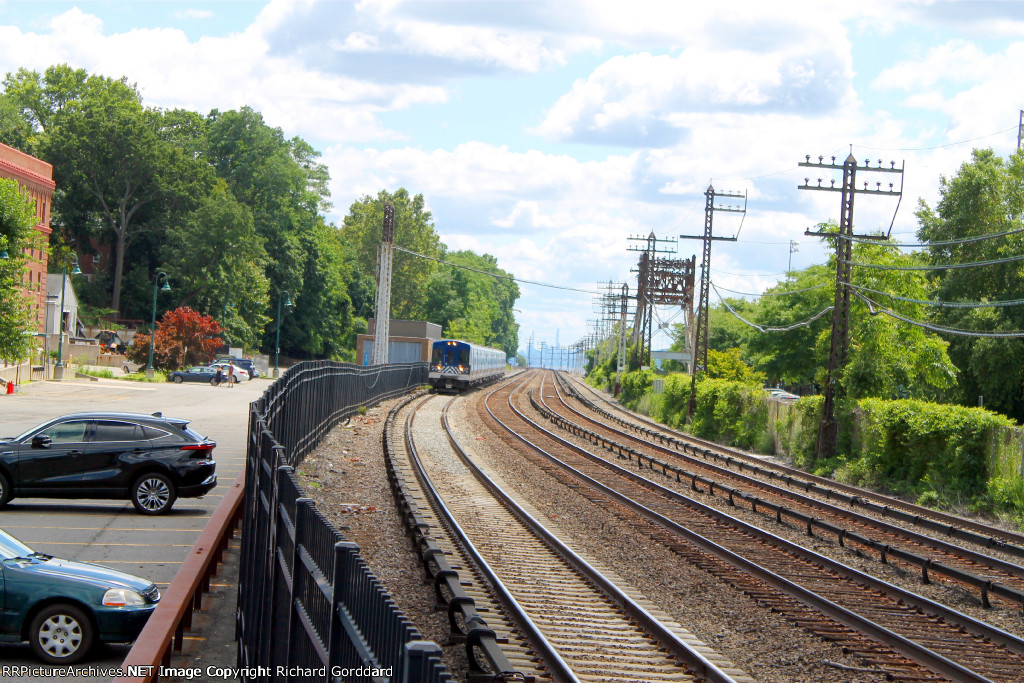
[110, 532]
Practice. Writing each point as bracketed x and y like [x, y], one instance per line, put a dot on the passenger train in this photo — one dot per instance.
[457, 365]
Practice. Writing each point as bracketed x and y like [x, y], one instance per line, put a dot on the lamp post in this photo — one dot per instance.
[60, 331]
[152, 325]
[284, 296]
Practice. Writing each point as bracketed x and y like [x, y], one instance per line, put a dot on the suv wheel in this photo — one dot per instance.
[6, 492]
[153, 494]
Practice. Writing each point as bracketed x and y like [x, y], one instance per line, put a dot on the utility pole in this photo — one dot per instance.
[1020, 128]
[700, 347]
[621, 364]
[828, 432]
[382, 328]
[792, 250]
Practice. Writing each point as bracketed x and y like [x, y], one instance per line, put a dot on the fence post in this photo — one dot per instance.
[419, 661]
[303, 507]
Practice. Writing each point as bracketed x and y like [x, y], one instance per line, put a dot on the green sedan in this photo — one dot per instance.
[62, 608]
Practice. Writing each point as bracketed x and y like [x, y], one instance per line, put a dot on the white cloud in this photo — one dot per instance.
[638, 98]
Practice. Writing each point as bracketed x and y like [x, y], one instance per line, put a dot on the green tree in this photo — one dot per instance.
[728, 365]
[107, 153]
[285, 188]
[985, 197]
[217, 261]
[17, 218]
[887, 358]
[472, 299]
[414, 230]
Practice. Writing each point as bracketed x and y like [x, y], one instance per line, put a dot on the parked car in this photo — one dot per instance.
[233, 372]
[63, 607]
[196, 373]
[246, 364]
[149, 459]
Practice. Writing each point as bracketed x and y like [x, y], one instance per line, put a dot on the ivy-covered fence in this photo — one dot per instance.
[934, 453]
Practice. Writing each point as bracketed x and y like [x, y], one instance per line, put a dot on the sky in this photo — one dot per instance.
[547, 133]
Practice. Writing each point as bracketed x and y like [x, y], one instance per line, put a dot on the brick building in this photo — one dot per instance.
[36, 179]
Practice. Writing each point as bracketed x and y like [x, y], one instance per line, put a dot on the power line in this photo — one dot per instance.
[924, 149]
[725, 272]
[943, 304]
[760, 328]
[947, 266]
[793, 291]
[935, 328]
[943, 243]
[501, 277]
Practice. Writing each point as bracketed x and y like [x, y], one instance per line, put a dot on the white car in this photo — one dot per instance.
[233, 372]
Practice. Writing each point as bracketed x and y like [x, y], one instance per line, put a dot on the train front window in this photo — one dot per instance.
[464, 356]
[435, 357]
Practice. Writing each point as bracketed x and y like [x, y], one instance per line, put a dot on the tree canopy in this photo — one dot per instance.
[985, 197]
[17, 217]
[234, 212]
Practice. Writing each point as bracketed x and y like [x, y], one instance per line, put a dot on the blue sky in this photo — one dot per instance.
[547, 133]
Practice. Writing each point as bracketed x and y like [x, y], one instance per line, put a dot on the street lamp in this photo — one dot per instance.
[64, 285]
[284, 296]
[152, 325]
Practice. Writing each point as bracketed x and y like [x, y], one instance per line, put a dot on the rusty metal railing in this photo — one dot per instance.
[165, 629]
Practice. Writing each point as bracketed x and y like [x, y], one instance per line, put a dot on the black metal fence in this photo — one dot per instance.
[308, 606]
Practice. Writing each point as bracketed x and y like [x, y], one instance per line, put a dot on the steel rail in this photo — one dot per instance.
[477, 634]
[552, 660]
[173, 614]
[700, 665]
[985, 584]
[915, 651]
[1008, 640]
[959, 527]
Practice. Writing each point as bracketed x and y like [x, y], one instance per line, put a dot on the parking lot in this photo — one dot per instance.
[110, 532]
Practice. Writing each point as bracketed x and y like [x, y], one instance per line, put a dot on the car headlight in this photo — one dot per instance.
[122, 597]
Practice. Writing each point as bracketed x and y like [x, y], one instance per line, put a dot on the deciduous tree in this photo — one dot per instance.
[17, 217]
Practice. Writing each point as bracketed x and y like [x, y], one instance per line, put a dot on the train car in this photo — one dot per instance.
[455, 365]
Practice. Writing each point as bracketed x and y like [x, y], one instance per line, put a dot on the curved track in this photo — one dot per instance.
[899, 632]
[935, 558]
[576, 617]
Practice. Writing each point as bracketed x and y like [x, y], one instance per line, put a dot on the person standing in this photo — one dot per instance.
[220, 375]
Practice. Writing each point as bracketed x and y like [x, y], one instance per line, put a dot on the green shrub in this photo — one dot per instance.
[734, 413]
[915, 446]
[105, 373]
[634, 385]
[799, 436]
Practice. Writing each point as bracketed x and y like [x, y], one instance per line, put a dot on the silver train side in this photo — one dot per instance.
[455, 365]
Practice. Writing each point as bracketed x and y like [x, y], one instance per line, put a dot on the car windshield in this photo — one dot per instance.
[11, 547]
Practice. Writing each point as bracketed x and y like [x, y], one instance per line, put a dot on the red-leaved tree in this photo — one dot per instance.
[183, 337]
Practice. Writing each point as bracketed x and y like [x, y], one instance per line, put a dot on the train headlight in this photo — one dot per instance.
[437, 367]
[462, 368]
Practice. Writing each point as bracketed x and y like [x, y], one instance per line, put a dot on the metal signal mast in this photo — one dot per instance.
[383, 307]
[828, 432]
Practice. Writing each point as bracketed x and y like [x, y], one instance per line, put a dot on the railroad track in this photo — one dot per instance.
[980, 573]
[953, 527]
[899, 633]
[561, 616]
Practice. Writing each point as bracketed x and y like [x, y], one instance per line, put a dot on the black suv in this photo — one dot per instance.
[246, 364]
[150, 459]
